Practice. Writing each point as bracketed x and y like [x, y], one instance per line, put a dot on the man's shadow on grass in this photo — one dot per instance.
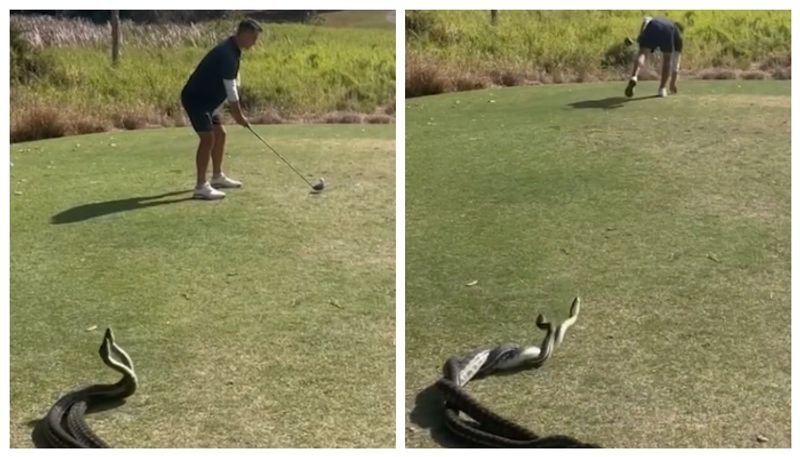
[91, 210]
[609, 102]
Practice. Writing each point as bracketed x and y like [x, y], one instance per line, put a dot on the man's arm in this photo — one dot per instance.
[233, 102]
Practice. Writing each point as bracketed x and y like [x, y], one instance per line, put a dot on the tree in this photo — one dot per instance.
[494, 16]
[115, 38]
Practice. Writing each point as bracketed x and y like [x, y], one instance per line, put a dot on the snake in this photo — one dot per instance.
[488, 429]
[65, 425]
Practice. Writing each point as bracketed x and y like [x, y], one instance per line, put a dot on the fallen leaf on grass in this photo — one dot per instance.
[186, 296]
[93, 327]
[471, 283]
[761, 438]
[713, 257]
[333, 303]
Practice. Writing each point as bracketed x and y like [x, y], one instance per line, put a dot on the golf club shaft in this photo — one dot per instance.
[280, 156]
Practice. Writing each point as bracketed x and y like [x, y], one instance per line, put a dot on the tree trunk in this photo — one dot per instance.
[494, 16]
[115, 38]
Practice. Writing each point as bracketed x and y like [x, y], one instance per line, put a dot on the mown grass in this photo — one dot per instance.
[669, 217]
[296, 72]
[462, 48]
[263, 320]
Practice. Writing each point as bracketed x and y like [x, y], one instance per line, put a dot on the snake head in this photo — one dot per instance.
[109, 335]
[576, 304]
[105, 347]
[542, 322]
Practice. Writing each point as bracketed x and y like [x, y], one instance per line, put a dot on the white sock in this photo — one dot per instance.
[634, 78]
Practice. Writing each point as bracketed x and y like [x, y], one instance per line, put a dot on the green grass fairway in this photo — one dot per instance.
[263, 320]
[669, 217]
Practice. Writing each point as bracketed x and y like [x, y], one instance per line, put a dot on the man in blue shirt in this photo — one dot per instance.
[663, 34]
[214, 81]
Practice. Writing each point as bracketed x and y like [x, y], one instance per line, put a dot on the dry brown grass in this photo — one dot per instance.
[754, 74]
[36, 120]
[269, 116]
[378, 119]
[782, 73]
[718, 73]
[390, 108]
[46, 31]
[425, 76]
[471, 81]
[507, 77]
[342, 117]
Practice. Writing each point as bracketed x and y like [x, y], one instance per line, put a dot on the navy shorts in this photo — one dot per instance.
[661, 35]
[202, 118]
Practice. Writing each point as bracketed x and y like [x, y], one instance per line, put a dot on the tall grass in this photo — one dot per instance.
[294, 72]
[556, 46]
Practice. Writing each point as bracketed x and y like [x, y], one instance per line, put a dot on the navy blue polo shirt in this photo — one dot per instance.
[661, 33]
[205, 88]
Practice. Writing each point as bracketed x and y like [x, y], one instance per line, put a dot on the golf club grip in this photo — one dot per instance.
[280, 156]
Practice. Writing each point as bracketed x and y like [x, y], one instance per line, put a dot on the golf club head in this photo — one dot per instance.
[319, 185]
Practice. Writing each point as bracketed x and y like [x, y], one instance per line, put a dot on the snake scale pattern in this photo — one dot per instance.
[65, 425]
[482, 427]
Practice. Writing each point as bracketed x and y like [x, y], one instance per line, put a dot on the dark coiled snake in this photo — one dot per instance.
[487, 429]
[65, 425]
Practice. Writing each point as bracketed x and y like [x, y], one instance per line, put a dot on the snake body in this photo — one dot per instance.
[488, 429]
[65, 425]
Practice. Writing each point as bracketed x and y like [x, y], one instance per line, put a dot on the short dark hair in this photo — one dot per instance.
[249, 25]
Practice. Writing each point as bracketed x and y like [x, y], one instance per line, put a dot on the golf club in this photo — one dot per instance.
[317, 186]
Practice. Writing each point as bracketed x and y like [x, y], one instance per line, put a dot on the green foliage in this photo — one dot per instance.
[590, 40]
[26, 63]
[294, 69]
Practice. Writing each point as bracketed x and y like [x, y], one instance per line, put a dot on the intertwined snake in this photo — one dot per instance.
[65, 425]
[487, 429]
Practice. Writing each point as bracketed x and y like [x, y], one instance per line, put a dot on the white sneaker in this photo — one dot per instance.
[662, 92]
[206, 192]
[224, 182]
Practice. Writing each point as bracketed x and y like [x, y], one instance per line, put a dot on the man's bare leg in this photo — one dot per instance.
[641, 59]
[218, 179]
[676, 65]
[666, 68]
[218, 151]
[203, 156]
